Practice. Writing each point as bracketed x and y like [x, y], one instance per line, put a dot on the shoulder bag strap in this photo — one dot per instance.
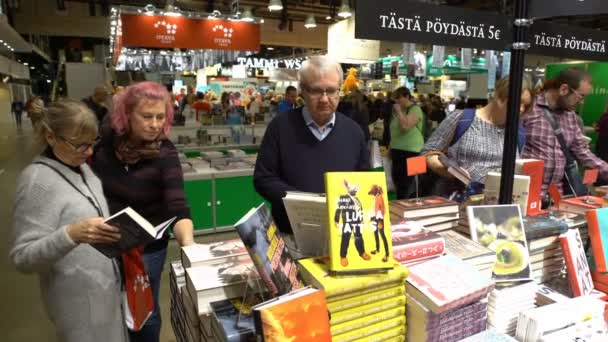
[91, 200]
[559, 134]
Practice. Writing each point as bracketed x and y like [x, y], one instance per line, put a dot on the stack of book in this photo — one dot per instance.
[505, 304]
[581, 204]
[447, 300]
[469, 251]
[370, 307]
[412, 242]
[434, 213]
[177, 280]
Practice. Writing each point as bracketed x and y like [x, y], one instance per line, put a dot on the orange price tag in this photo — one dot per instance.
[416, 165]
[590, 176]
[554, 194]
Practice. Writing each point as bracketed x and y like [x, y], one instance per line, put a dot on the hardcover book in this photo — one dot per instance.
[521, 190]
[411, 242]
[135, 231]
[267, 249]
[307, 213]
[359, 225]
[541, 226]
[576, 263]
[315, 272]
[297, 316]
[581, 205]
[597, 221]
[466, 249]
[445, 283]
[500, 228]
[534, 169]
[199, 254]
[573, 220]
[424, 207]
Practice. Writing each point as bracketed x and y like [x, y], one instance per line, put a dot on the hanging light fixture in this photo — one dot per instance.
[247, 15]
[310, 22]
[275, 5]
[344, 10]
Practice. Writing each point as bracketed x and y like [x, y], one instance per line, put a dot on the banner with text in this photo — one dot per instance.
[558, 8]
[415, 22]
[156, 31]
[567, 41]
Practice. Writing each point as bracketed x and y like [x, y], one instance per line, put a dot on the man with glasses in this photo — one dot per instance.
[558, 100]
[300, 147]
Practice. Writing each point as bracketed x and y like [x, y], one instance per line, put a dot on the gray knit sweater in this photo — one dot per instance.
[80, 286]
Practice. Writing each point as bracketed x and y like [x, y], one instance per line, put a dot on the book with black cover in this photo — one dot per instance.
[542, 226]
[135, 231]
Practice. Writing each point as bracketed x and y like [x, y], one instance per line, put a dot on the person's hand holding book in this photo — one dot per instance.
[93, 230]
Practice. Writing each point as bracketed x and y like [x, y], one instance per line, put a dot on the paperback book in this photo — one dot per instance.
[199, 254]
[500, 228]
[521, 190]
[533, 168]
[359, 225]
[576, 263]
[466, 249]
[267, 249]
[541, 226]
[307, 213]
[412, 242]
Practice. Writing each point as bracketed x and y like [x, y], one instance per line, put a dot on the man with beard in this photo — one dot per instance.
[559, 99]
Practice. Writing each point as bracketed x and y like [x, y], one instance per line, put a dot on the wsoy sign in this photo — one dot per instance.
[414, 22]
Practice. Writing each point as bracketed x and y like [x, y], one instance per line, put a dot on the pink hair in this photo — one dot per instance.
[132, 96]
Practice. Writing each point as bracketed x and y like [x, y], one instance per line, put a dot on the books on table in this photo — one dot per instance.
[411, 242]
[470, 251]
[500, 228]
[581, 204]
[200, 254]
[307, 213]
[135, 231]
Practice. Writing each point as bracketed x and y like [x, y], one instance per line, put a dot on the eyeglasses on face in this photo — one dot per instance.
[578, 95]
[80, 148]
[318, 93]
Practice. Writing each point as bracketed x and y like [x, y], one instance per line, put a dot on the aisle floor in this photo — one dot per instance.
[22, 315]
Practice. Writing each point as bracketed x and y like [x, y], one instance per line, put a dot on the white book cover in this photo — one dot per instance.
[307, 213]
[521, 190]
[199, 254]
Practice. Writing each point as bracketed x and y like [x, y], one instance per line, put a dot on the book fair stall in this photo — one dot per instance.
[497, 265]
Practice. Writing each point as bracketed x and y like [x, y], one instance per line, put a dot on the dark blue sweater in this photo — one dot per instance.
[291, 158]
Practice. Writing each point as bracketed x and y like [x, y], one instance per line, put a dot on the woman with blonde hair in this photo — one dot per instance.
[473, 139]
[58, 213]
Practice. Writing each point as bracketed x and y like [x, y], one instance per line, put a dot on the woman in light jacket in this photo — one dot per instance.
[58, 213]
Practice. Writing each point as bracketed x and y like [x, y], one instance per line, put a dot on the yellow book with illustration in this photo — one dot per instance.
[376, 332]
[353, 302]
[367, 320]
[315, 272]
[366, 310]
[359, 222]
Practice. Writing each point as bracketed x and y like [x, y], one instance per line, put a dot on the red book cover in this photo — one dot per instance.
[598, 236]
[581, 204]
[412, 242]
[533, 168]
[579, 274]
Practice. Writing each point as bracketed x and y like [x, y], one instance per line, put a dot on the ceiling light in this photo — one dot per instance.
[247, 15]
[32, 68]
[26, 64]
[261, 21]
[310, 22]
[344, 11]
[275, 5]
[48, 81]
[270, 48]
[172, 11]
[150, 9]
[113, 23]
[328, 17]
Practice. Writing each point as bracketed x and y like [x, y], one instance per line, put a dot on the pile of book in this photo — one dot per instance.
[505, 304]
[370, 307]
[177, 281]
[469, 251]
[447, 300]
[434, 213]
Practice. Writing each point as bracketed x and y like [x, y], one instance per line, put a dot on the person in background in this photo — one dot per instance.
[59, 209]
[355, 107]
[225, 103]
[479, 149]
[559, 99]
[97, 102]
[201, 106]
[139, 168]
[17, 108]
[181, 95]
[298, 148]
[289, 101]
[407, 138]
[34, 108]
[601, 146]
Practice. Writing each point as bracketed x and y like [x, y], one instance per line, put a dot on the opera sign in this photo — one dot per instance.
[263, 63]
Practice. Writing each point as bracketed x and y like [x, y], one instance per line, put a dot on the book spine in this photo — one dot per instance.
[363, 332]
[350, 303]
[366, 310]
[348, 290]
[418, 250]
[366, 321]
[597, 244]
[365, 291]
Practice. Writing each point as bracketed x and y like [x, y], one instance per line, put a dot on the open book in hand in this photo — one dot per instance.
[135, 231]
[458, 172]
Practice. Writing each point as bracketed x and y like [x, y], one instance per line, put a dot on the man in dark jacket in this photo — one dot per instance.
[97, 102]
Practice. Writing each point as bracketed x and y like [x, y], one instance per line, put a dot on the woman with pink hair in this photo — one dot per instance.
[139, 167]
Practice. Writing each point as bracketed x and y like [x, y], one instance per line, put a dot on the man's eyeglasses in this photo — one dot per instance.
[319, 93]
[579, 96]
[81, 148]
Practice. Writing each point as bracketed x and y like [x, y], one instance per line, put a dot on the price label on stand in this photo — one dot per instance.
[590, 176]
[416, 165]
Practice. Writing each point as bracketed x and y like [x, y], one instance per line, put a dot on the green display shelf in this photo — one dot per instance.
[199, 194]
[234, 197]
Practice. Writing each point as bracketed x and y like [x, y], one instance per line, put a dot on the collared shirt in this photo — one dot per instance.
[317, 131]
[542, 144]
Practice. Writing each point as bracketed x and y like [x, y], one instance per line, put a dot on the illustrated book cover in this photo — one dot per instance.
[576, 263]
[359, 225]
[500, 228]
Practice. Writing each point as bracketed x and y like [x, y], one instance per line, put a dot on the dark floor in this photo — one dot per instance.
[22, 316]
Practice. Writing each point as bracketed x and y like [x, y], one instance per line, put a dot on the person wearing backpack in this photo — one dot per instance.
[473, 139]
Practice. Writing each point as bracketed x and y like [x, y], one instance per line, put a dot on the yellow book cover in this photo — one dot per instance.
[366, 310]
[316, 272]
[376, 332]
[349, 303]
[359, 222]
[367, 320]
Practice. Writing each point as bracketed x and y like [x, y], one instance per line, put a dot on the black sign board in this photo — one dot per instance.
[415, 22]
[568, 41]
[557, 8]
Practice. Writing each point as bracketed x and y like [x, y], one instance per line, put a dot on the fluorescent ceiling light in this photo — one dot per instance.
[275, 5]
[344, 11]
[247, 15]
[310, 22]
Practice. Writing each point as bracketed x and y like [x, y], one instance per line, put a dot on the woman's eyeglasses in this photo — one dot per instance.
[81, 148]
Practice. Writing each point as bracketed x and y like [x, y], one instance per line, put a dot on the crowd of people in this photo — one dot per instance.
[99, 158]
